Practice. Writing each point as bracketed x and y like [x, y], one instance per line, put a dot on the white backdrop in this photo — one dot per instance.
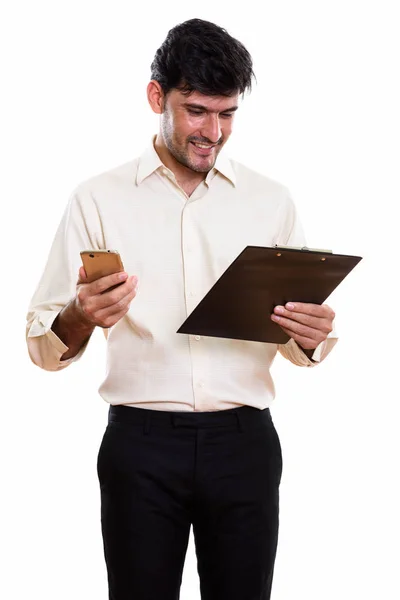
[324, 120]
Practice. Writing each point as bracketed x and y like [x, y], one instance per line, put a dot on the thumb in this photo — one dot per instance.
[82, 277]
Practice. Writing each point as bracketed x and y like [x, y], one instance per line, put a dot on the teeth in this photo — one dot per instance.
[202, 146]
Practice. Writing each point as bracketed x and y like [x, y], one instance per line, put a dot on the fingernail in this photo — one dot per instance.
[275, 318]
[290, 306]
[122, 276]
[279, 309]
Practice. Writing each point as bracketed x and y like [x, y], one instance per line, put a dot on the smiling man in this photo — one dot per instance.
[190, 440]
[193, 131]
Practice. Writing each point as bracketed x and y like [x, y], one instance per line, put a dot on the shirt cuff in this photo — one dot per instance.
[45, 347]
[324, 349]
[295, 354]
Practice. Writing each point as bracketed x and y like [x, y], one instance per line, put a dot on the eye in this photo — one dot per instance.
[193, 111]
[227, 115]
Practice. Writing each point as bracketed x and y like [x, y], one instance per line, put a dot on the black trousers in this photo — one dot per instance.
[161, 472]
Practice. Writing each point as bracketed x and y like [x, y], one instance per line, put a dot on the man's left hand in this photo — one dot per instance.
[307, 324]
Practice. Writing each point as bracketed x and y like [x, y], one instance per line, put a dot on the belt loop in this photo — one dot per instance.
[239, 421]
[147, 424]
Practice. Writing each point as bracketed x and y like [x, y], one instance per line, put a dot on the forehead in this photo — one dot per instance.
[211, 103]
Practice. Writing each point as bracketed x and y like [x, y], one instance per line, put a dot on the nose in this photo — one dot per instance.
[212, 128]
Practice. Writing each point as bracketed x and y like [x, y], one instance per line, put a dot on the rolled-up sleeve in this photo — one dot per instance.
[79, 229]
[292, 234]
[292, 351]
[44, 347]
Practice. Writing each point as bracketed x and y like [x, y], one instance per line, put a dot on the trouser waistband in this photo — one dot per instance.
[242, 416]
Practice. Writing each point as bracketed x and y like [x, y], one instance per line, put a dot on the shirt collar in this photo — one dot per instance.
[149, 162]
[224, 166]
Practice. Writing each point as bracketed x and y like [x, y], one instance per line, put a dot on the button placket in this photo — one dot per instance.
[191, 245]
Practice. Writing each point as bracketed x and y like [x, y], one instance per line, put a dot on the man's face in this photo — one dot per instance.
[195, 127]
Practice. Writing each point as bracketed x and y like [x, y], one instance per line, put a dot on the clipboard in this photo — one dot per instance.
[240, 303]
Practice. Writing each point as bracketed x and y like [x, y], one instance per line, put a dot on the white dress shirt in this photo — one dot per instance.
[177, 246]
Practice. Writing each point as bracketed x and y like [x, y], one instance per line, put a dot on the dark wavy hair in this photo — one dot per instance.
[200, 56]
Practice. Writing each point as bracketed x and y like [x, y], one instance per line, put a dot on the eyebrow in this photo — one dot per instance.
[201, 107]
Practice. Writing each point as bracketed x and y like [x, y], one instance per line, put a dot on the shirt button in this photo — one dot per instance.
[197, 337]
[201, 384]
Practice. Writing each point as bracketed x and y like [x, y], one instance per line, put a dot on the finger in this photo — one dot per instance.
[117, 295]
[303, 341]
[300, 317]
[322, 311]
[112, 314]
[104, 283]
[299, 329]
[82, 277]
[110, 320]
[114, 299]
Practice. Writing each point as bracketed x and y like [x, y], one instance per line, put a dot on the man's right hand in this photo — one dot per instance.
[99, 305]
[94, 304]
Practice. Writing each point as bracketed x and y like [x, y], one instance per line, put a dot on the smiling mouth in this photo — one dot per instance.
[203, 145]
[203, 149]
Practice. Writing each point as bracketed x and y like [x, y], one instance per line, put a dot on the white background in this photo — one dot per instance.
[324, 120]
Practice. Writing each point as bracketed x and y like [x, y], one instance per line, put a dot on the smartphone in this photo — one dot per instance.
[99, 263]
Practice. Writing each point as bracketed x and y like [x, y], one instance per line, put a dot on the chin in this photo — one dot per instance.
[202, 168]
[202, 165]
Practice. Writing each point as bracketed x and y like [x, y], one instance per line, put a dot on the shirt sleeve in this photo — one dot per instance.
[291, 233]
[79, 229]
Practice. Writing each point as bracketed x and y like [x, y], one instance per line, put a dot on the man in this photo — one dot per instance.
[190, 439]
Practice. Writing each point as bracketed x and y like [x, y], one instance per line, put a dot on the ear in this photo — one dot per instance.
[155, 96]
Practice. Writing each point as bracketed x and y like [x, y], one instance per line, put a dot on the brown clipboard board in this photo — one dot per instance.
[240, 303]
